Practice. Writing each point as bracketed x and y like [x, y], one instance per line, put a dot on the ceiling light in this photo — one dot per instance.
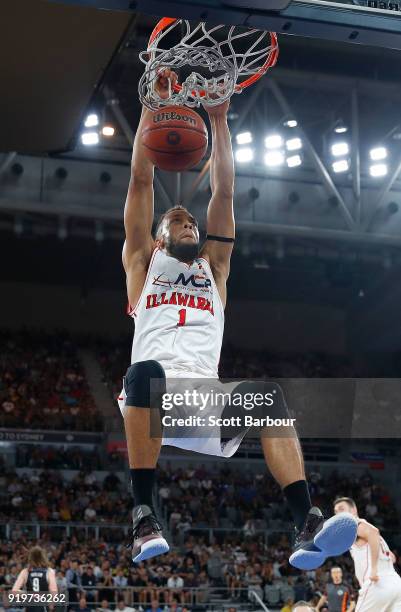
[244, 138]
[339, 148]
[274, 158]
[244, 155]
[341, 165]
[108, 130]
[293, 144]
[377, 170]
[90, 138]
[293, 161]
[378, 153]
[92, 120]
[273, 141]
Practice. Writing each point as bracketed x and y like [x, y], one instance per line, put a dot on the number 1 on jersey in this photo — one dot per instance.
[182, 317]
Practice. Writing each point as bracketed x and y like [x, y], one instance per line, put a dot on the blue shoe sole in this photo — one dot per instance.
[150, 549]
[307, 559]
[337, 535]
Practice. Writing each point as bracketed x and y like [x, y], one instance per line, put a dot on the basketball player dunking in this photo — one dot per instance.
[177, 294]
[37, 577]
[374, 565]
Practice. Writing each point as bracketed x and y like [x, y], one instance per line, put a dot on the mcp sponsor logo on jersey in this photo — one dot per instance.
[199, 280]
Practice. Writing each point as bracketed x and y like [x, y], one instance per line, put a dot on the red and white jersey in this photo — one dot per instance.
[362, 558]
[179, 317]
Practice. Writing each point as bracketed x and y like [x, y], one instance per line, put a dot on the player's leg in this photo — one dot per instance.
[374, 598]
[142, 428]
[396, 599]
[316, 538]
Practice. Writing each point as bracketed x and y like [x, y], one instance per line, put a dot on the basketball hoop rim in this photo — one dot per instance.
[269, 62]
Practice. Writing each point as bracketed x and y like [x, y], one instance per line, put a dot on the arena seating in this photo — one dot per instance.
[201, 569]
[42, 384]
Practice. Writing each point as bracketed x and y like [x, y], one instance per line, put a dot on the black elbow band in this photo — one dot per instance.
[219, 238]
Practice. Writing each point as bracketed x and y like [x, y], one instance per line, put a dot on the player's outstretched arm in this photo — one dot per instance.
[138, 210]
[51, 578]
[20, 582]
[220, 214]
[139, 205]
[371, 534]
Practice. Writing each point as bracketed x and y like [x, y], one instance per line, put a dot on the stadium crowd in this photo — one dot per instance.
[100, 575]
[48, 496]
[190, 499]
[43, 385]
[67, 457]
[195, 497]
[235, 363]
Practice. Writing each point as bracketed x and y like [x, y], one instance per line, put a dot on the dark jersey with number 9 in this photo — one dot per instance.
[37, 581]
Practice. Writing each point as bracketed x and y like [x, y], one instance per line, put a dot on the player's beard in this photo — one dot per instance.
[183, 251]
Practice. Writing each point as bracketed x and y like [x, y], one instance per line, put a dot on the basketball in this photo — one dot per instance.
[175, 138]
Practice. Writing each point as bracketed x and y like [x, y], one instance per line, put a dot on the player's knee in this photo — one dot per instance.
[144, 384]
[278, 408]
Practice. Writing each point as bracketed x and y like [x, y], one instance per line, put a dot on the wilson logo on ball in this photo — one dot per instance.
[173, 116]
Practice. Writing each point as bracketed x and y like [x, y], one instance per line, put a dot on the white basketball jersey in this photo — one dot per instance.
[362, 558]
[179, 317]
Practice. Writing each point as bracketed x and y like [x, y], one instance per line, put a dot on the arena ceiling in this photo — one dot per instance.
[319, 82]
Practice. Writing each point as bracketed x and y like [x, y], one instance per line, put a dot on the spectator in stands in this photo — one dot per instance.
[106, 592]
[176, 584]
[82, 606]
[202, 594]
[154, 607]
[122, 607]
[73, 582]
[288, 605]
[88, 582]
[104, 606]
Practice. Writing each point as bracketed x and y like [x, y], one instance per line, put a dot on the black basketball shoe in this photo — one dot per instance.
[147, 533]
[320, 539]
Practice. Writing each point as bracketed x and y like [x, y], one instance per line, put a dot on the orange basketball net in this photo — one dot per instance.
[231, 58]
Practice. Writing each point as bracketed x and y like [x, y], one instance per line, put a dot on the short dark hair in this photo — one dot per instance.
[347, 500]
[167, 212]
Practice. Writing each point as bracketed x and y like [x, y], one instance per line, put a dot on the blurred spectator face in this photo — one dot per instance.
[105, 604]
[336, 575]
[155, 604]
[121, 604]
